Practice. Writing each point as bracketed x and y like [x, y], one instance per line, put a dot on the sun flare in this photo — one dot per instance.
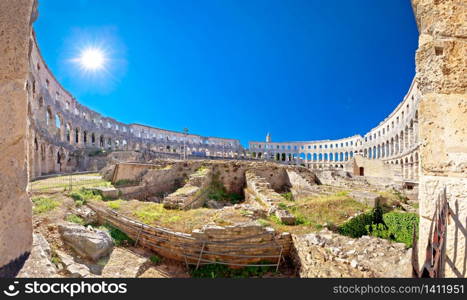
[92, 59]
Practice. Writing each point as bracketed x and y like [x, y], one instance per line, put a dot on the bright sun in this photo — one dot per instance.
[92, 59]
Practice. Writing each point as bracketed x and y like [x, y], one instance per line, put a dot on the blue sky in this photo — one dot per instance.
[300, 69]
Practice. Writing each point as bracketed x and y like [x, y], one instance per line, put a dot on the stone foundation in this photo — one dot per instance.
[330, 255]
[234, 245]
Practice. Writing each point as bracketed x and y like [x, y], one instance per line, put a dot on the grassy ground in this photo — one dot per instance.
[63, 183]
[43, 204]
[313, 212]
[178, 220]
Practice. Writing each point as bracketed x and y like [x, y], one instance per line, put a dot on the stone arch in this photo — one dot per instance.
[49, 117]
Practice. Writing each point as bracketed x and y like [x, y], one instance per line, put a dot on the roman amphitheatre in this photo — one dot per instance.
[84, 195]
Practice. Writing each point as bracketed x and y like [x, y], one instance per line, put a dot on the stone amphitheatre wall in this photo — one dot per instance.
[33, 103]
[441, 62]
[60, 125]
[395, 141]
[16, 17]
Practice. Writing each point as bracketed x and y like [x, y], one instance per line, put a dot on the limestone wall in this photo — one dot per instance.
[60, 125]
[371, 168]
[16, 17]
[395, 141]
[233, 245]
[441, 62]
[329, 255]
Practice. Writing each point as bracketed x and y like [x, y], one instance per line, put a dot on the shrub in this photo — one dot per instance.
[395, 226]
[356, 227]
[119, 237]
[43, 204]
[401, 226]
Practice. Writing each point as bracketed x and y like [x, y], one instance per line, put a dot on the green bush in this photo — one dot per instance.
[401, 226]
[356, 227]
[119, 237]
[83, 195]
[395, 226]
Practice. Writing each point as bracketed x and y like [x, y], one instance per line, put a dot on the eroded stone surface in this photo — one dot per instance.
[327, 254]
[91, 243]
[124, 264]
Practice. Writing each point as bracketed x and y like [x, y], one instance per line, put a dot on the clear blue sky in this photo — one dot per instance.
[300, 69]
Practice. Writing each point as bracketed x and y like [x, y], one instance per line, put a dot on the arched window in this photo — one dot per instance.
[57, 121]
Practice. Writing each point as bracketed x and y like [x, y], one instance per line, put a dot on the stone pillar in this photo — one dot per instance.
[441, 65]
[16, 17]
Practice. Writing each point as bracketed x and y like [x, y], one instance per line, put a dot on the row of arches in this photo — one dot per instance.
[81, 138]
[408, 166]
[304, 157]
[47, 159]
[404, 141]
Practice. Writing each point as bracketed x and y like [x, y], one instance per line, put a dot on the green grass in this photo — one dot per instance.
[342, 193]
[116, 204]
[394, 226]
[43, 204]
[223, 271]
[155, 259]
[84, 195]
[119, 237]
[288, 196]
[263, 222]
[216, 191]
[312, 212]
[75, 219]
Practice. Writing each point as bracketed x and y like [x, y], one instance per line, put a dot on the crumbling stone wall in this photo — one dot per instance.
[441, 62]
[395, 141]
[16, 17]
[238, 244]
[329, 255]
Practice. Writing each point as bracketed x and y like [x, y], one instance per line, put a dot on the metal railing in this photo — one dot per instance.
[193, 251]
[65, 182]
[436, 247]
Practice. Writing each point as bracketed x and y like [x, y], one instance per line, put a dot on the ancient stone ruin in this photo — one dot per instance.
[419, 150]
